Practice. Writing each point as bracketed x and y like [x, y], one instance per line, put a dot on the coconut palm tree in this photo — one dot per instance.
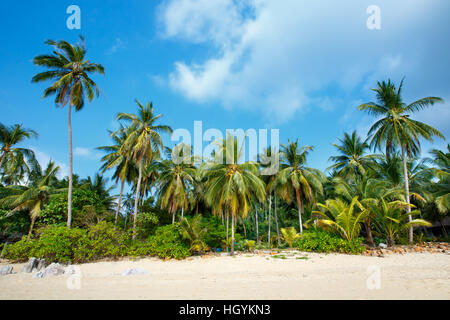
[353, 159]
[120, 159]
[233, 185]
[9, 138]
[174, 183]
[68, 68]
[396, 129]
[34, 197]
[144, 141]
[296, 180]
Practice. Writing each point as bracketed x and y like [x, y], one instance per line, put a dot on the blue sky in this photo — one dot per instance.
[301, 67]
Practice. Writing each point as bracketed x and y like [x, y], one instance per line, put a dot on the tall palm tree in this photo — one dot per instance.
[34, 197]
[295, 179]
[353, 159]
[119, 158]
[396, 129]
[11, 136]
[144, 141]
[233, 185]
[70, 71]
[174, 183]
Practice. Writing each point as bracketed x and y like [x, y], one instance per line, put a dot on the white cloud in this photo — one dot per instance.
[118, 44]
[43, 159]
[85, 153]
[276, 55]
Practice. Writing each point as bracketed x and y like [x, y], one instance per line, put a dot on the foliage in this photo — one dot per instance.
[192, 231]
[289, 235]
[250, 245]
[322, 241]
[168, 243]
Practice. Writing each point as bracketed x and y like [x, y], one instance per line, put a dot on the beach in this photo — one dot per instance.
[287, 276]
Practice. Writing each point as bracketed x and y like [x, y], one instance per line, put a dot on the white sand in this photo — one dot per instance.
[247, 277]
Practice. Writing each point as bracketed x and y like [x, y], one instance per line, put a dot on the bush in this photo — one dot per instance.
[104, 240]
[20, 251]
[62, 245]
[321, 241]
[168, 243]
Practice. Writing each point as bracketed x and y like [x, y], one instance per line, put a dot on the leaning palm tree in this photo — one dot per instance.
[233, 185]
[9, 138]
[296, 180]
[34, 197]
[396, 129]
[120, 159]
[70, 71]
[144, 141]
[353, 159]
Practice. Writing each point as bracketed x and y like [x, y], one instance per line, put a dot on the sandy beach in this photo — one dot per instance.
[247, 277]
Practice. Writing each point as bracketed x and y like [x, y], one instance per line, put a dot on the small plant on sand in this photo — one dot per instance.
[289, 235]
[250, 244]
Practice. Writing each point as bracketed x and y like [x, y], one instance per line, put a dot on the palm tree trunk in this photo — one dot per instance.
[276, 221]
[245, 230]
[173, 217]
[369, 233]
[31, 228]
[227, 233]
[136, 201]
[182, 213]
[69, 195]
[300, 209]
[408, 209]
[1, 158]
[257, 227]
[270, 210]
[232, 234]
[444, 231]
[120, 201]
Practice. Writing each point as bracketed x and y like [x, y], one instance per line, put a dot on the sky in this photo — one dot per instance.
[302, 67]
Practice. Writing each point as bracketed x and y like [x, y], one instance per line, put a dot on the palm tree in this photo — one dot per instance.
[352, 160]
[119, 158]
[174, 183]
[342, 217]
[296, 179]
[289, 235]
[144, 141]
[70, 71]
[233, 185]
[11, 136]
[390, 218]
[34, 197]
[193, 231]
[396, 129]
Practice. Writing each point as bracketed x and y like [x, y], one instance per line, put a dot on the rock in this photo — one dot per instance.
[383, 245]
[55, 269]
[41, 264]
[30, 265]
[135, 272]
[6, 270]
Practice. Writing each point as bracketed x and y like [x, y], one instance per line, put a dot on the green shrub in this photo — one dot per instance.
[20, 251]
[321, 241]
[62, 245]
[103, 241]
[168, 243]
